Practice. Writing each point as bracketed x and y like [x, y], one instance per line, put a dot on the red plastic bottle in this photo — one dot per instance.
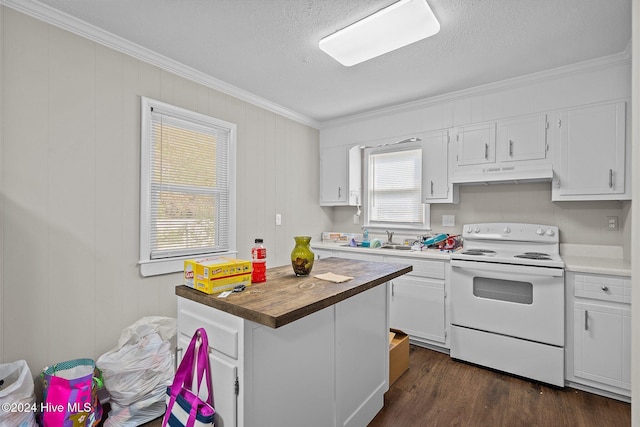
[259, 262]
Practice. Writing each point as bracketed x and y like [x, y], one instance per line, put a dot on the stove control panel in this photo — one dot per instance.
[511, 231]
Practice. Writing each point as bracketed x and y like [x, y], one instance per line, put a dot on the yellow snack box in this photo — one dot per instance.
[216, 274]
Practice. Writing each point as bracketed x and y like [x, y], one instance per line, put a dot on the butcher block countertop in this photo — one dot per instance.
[285, 298]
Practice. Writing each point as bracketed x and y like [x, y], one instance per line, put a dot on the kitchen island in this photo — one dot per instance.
[297, 351]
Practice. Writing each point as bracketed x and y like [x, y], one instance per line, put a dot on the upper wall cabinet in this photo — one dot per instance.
[476, 144]
[436, 165]
[591, 162]
[523, 138]
[504, 150]
[340, 176]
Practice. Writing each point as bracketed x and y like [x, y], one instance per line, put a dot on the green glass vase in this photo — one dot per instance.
[302, 256]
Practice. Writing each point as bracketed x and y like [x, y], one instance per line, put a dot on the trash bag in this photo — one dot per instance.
[138, 370]
[17, 395]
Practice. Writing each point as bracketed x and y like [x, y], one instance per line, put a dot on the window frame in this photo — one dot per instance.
[391, 226]
[149, 266]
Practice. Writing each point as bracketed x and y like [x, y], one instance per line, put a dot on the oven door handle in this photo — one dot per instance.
[508, 268]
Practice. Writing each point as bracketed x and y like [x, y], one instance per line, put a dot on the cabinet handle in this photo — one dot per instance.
[339, 191]
[610, 178]
[510, 148]
[605, 288]
[586, 320]
[175, 358]
[393, 288]
[486, 151]
[432, 188]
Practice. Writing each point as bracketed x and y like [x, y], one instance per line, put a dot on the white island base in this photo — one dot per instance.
[329, 368]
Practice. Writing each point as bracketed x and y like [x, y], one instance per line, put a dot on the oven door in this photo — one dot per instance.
[525, 302]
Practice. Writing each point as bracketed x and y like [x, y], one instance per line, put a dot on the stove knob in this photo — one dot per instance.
[507, 230]
[549, 232]
[477, 230]
[468, 229]
[540, 232]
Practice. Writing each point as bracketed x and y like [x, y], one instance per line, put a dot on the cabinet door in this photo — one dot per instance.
[223, 377]
[418, 307]
[435, 179]
[523, 138]
[476, 144]
[322, 253]
[600, 345]
[333, 176]
[592, 140]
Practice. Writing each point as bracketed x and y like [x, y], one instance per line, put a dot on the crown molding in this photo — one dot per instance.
[67, 22]
[619, 59]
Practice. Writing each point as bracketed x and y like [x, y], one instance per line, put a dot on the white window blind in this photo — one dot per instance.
[187, 184]
[394, 188]
[189, 187]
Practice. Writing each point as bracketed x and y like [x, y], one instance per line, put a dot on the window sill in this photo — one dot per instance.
[157, 267]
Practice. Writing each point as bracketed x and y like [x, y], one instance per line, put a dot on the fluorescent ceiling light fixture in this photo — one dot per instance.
[391, 28]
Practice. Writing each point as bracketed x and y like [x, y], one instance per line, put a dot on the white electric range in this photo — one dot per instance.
[507, 300]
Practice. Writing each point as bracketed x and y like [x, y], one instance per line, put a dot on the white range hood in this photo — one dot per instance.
[504, 173]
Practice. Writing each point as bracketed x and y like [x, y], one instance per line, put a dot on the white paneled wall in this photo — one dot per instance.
[70, 153]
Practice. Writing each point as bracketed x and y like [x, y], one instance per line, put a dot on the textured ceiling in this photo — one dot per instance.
[270, 47]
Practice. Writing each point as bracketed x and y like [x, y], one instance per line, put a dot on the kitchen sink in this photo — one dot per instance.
[396, 247]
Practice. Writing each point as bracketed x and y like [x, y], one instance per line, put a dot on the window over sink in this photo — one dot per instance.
[393, 187]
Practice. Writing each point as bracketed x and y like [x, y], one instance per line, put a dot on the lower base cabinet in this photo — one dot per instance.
[418, 302]
[599, 334]
[417, 308]
[328, 368]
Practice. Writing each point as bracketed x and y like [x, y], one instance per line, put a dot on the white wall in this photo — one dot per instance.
[70, 153]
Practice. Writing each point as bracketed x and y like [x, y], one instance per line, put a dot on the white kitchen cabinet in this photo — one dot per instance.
[224, 375]
[328, 368]
[599, 334]
[417, 308]
[322, 253]
[522, 138]
[359, 255]
[224, 335]
[511, 149]
[591, 163]
[418, 302]
[436, 185]
[476, 144]
[340, 176]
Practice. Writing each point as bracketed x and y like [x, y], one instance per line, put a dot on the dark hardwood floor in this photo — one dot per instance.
[439, 391]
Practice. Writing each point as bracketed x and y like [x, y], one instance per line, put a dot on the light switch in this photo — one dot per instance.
[278, 219]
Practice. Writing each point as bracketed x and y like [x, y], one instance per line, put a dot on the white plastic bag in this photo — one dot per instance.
[17, 396]
[138, 370]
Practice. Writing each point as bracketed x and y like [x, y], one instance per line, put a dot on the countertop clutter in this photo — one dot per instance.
[285, 297]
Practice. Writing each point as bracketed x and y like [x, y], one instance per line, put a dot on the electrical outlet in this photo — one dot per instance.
[356, 219]
[278, 219]
[612, 223]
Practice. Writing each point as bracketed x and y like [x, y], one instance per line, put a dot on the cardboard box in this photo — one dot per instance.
[398, 354]
[216, 274]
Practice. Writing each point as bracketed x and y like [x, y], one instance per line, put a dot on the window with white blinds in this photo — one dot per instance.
[394, 188]
[187, 192]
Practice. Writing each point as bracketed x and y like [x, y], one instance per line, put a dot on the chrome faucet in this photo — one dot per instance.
[389, 237]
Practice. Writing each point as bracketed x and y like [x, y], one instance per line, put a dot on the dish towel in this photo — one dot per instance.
[332, 277]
